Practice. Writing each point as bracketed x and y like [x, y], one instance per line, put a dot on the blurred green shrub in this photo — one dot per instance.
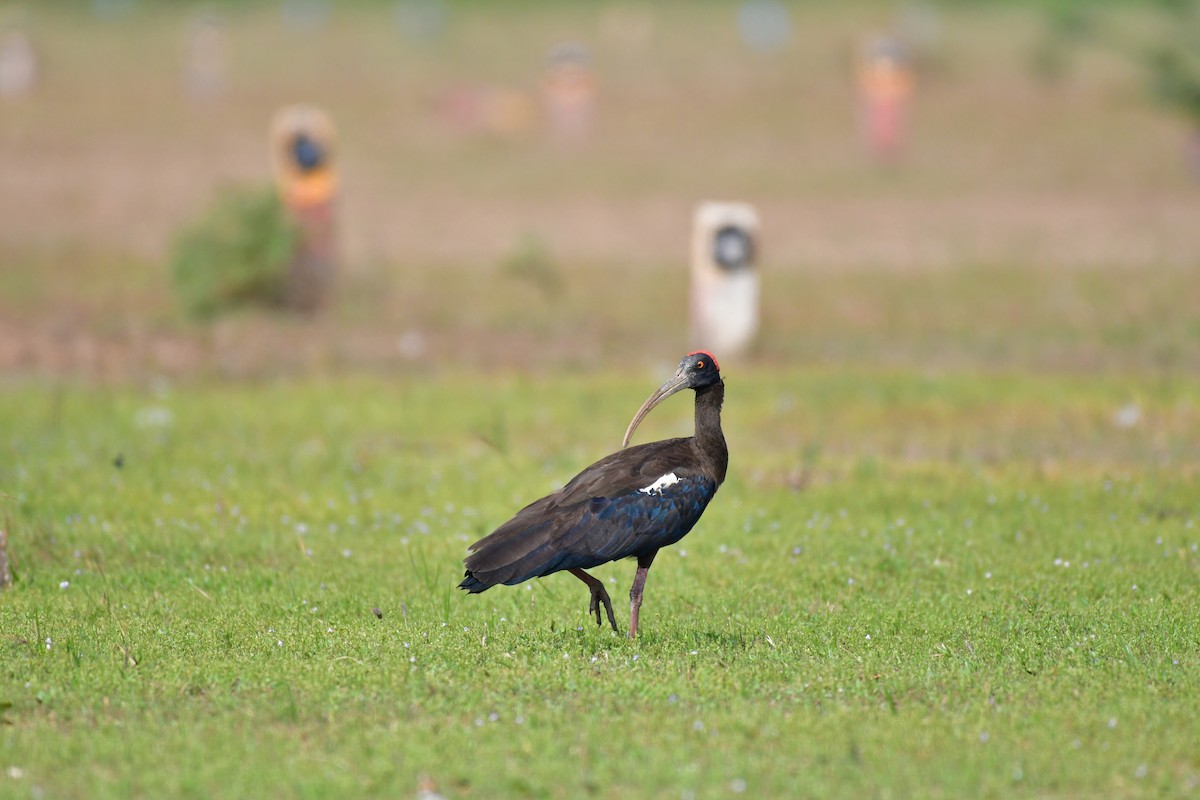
[1169, 50]
[237, 254]
[530, 260]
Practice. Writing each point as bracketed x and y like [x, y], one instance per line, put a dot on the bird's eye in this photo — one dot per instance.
[699, 365]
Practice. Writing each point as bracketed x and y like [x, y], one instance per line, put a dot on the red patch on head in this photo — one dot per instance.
[711, 357]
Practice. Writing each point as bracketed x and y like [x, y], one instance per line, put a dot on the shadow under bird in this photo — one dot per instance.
[630, 504]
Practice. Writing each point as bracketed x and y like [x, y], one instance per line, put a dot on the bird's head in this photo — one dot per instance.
[696, 371]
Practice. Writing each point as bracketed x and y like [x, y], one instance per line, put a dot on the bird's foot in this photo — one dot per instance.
[599, 596]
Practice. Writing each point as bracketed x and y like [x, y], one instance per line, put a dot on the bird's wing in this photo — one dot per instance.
[637, 522]
[630, 503]
[625, 471]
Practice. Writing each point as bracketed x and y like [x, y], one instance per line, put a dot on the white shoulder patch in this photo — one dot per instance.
[657, 487]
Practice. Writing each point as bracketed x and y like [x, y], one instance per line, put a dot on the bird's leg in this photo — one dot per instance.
[635, 591]
[599, 595]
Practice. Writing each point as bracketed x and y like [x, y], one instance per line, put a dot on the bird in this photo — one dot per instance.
[631, 503]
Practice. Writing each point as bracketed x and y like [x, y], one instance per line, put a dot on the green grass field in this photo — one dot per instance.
[957, 586]
[957, 551]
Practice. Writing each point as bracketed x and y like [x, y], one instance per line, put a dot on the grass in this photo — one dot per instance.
[909, 586]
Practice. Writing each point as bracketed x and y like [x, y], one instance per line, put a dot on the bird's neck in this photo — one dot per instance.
[709, 438]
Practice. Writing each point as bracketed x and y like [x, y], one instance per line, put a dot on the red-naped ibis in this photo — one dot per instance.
[629, 504]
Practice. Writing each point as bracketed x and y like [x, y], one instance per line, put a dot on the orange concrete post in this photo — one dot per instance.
[302, 155]
[569, 92]
[885, 85]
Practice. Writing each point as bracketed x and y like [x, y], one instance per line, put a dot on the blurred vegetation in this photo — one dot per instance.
[910, 586]
[1175, 62]
[530, 260]
[236, 255]
[1168, 50]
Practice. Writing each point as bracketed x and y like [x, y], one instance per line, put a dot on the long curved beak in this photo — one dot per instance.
[677, 381]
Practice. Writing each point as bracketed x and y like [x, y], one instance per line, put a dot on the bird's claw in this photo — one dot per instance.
[600, 595]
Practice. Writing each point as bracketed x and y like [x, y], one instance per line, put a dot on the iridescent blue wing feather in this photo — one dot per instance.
[628, 504]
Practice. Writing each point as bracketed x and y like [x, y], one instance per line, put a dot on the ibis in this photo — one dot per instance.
[630, 504]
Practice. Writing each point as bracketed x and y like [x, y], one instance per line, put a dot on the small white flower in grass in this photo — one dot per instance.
[49, 643]
[970, 592]
[64, 584]
[987, 575]
[698, 726]
[1140, 772]
[1133, 588]
[683, 553]
[1127, 416]
[566, 656]
[983, 736]
[301, 528]
[479, 722]
[868, 637]
[1112, 722]
[738, 785]
[347, 553]
[519, 720]
[850, 581]
[695, 652]
[279, 643]
[406, 644]
[412, 659]
[16, 773]
[493, 717]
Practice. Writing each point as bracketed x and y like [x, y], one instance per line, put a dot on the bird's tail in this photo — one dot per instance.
[473, 585]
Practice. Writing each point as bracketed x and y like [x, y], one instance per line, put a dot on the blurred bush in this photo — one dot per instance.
[236, 255]
[1169, 50]
[530, 260]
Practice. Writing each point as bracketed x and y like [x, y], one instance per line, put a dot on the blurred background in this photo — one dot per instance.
[940, 185]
